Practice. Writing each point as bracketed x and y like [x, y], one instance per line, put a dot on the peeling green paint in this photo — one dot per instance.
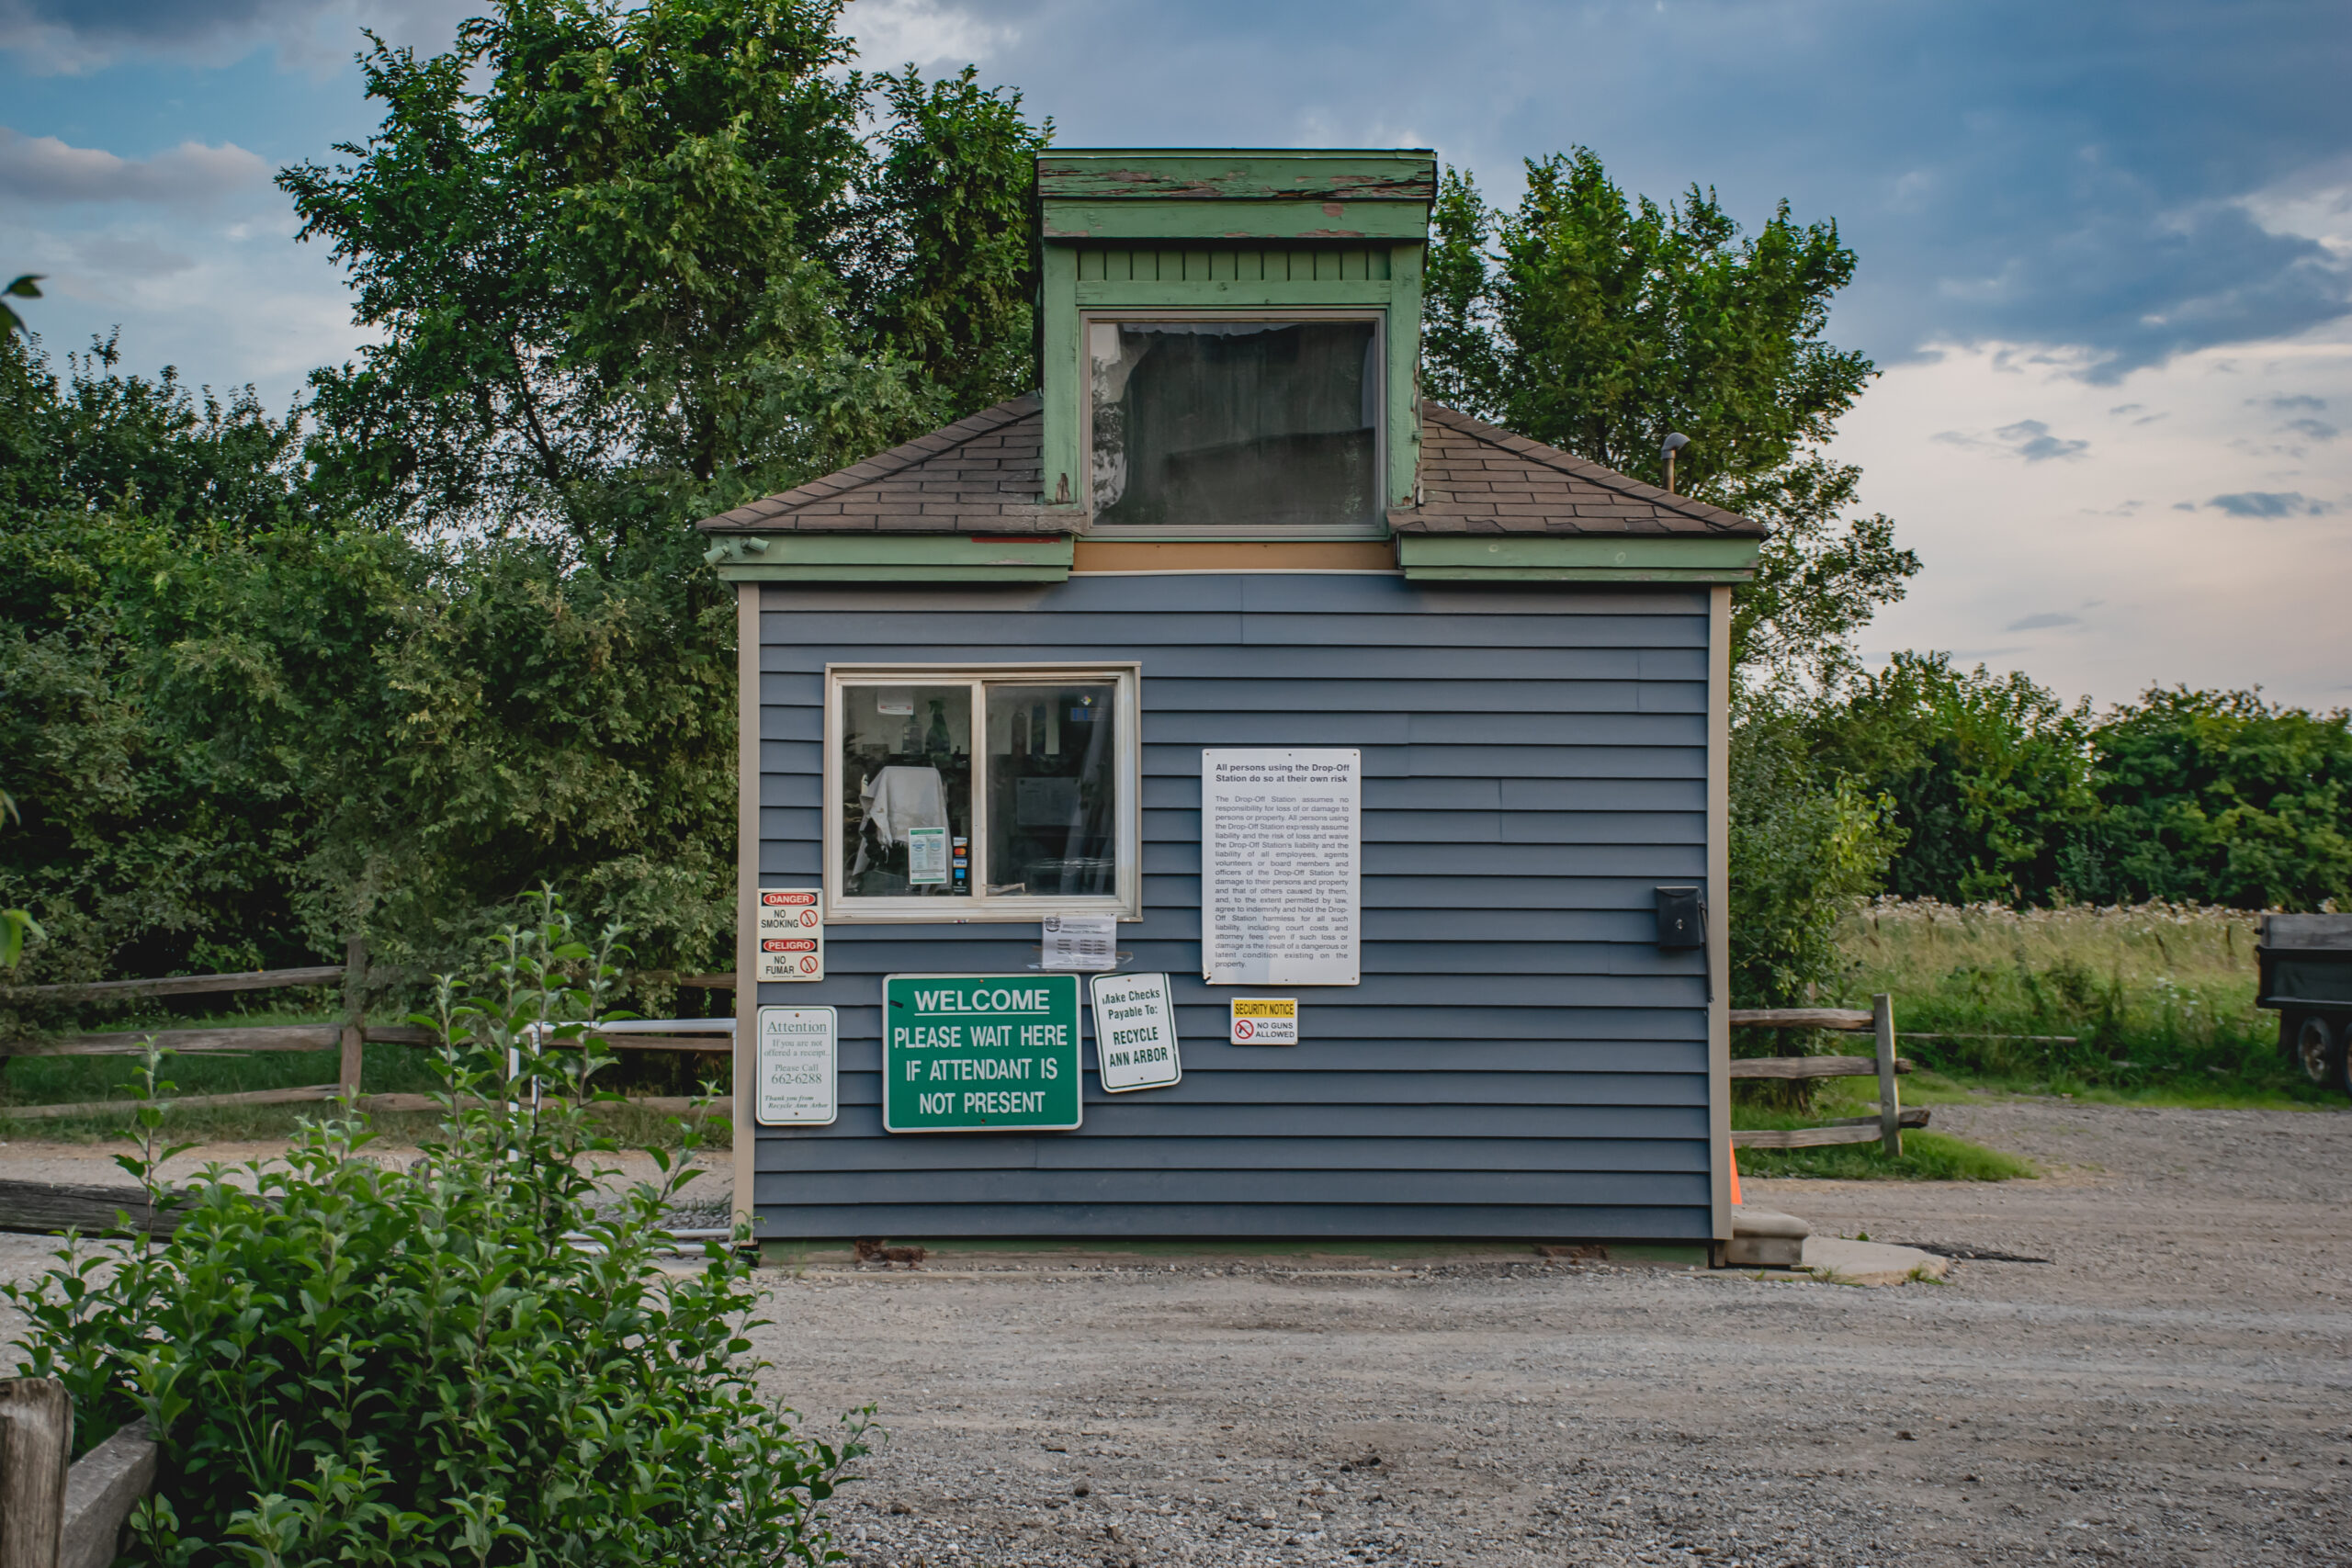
[891, 558]
[1461, 557]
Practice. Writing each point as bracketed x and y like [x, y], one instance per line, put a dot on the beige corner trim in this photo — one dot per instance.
[747, 881]
[1233, 555]
[1719, 900]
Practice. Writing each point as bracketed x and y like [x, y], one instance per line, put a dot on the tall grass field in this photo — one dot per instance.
[2142, 998]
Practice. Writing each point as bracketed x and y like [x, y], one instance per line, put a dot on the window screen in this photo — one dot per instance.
[1258, 424]
[1052, 791]
[907, 786]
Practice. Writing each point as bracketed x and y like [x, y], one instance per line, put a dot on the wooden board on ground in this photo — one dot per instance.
[44, 1207]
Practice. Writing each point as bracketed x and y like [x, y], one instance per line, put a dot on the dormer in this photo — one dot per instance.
[1228, 347]
[1229, 340]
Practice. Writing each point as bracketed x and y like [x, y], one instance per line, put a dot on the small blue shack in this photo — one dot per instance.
[1395, 742]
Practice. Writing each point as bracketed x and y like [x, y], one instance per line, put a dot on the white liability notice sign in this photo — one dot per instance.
[796, 1061]
[1281, 866]
[791, 934]
[1134, 1032]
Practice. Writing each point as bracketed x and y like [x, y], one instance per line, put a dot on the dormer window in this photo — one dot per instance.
[1243, 423]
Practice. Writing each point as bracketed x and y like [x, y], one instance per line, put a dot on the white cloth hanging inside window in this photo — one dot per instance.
[898, 798]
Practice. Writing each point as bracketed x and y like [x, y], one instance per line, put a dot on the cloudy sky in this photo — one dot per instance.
[2105, 249]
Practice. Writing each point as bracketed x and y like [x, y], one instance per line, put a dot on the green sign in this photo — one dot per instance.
[979, 1053]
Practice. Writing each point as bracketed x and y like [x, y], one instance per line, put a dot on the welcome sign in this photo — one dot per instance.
[979, 1053]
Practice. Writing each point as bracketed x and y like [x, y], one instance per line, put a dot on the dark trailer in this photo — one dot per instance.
[1379, 751]
[2303, 969]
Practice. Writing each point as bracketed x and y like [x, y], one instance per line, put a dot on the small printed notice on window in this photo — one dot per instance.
[1134, 1032]
[926, 855]
[798, 1061]
[791, 934]
[1265, 1021]
[1280, 856]
[1081, 941]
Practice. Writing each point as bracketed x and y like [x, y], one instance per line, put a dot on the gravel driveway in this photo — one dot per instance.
[2173, 1386]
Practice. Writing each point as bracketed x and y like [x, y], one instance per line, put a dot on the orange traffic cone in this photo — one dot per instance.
[1733, 1155]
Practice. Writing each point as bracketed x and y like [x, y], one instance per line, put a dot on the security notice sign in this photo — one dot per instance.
[1265, 1021]
[798, 1061]
[979, 1053]
[1280, 833]
[1135, 1033]
[792, 933]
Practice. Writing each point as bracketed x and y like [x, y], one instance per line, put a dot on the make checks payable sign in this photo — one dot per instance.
[979, 1053]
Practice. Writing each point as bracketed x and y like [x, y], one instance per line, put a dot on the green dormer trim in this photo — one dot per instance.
[1474, 558]
[1207, 231]
[889, 558]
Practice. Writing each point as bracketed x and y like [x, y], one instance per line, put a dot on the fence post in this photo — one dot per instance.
[354, 1017]
[36, 1440]
[1890, 1098]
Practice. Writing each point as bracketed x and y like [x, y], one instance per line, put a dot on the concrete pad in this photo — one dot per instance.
[1869, 1262]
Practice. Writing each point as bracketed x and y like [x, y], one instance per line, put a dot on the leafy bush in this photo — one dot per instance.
[465, 1361]
[1804, 846]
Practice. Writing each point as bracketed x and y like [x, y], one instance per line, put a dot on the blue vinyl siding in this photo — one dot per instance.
[1521, 1059]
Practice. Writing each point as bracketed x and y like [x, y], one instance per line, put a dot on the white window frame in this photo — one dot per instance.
[1377, 315]
[1127, 680]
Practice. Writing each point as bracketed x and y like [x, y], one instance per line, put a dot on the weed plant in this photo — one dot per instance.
[465, 1360]
[2148, 995]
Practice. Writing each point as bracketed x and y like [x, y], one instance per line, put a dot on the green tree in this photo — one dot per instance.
[945, 279]
[186, 647]
[2221, 797]
[1989, 776]
[615, 281]
[1600, 323]
[1607, 322]
[631, 265]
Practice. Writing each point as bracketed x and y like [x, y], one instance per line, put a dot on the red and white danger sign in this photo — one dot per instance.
[791, 934]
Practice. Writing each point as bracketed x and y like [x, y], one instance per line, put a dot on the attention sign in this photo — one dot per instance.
[797, 1063]
[979, 1053]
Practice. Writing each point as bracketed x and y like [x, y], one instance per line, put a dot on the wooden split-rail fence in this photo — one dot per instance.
[352, 1034]
[54, 1513]
[354, 1031]
[1885, 1126]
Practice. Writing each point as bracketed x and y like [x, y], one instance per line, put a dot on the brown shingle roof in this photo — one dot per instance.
[981, 476]
[1479, 478]
[976, 476]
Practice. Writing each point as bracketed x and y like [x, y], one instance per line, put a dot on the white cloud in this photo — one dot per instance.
[891, 33]
[42, 169]
[73, 38]
[2189, 541]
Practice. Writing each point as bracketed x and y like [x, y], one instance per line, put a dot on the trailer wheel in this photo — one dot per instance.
[2319, 1051]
